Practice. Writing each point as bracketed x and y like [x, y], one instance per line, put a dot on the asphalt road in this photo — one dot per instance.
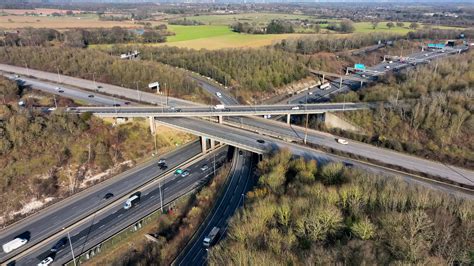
[240, 182]
[316, 95]
[72, 209]
[269, 127]
[231, 110]
[248, 140]
[225, 98]
[103, 225]
[108, 89]
[71, 92]
[241, 139]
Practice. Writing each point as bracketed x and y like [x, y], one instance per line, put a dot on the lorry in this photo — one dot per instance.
[211, 238]
[133, 200]
[14, 244]
[219, 107]
[325, 86]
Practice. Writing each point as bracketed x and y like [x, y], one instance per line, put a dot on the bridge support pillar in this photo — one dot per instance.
[204, 145]
[323, 78]
[152, 125]
[220, 119]
[213, 144]
[340, 83]
[288, 118]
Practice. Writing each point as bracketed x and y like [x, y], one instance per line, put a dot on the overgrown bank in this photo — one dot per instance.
[48, 156]
[303, 213]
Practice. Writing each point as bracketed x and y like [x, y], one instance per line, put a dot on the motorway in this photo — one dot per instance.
[85, 203]
[240, 138]
[114, 217]
[247, 140]
[93, 87]
[240, 182]
[72, 93]
[231, 110]
[316, 95]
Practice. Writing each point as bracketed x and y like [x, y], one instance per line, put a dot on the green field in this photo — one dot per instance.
[366, 27]
[186, 33]
[258, 18]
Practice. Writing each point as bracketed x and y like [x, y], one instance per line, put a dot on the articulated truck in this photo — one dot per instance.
[14, 244]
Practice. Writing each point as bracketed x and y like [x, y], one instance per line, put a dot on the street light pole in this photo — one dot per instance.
[138, 92]
[70, 245]
[161, 198]
[59, 77]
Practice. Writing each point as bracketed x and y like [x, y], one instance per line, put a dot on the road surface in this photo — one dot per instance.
[241, 181]
[231, 110]
[85, 203]
[456, 174]
[107, 223]
[316, 95]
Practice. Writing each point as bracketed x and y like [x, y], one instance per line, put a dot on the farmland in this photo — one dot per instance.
[61, 23]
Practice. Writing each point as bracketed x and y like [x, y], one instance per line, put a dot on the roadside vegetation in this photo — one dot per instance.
[302, 213]
[249, 72]
[48, 156]
[432, 118]
[90, 64]
[172, 231]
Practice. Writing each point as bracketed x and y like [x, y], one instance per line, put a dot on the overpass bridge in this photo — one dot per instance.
[222, 111]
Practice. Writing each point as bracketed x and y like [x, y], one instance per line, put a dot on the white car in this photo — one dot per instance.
[387, 67]
[218, 94]
[46, 261]
[390, 62]
[343, 141]
[295, 108]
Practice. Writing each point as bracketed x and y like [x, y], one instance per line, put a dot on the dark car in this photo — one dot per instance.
[116, 105]
[60, 244]
[161, 161]
[260, 141]
[163, 167]
[90, 96]
[126, 103]
[108, 195]
[241, 152]
[60, 91]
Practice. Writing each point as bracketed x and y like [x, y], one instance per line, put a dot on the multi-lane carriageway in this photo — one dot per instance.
[90, 219]
[265, 126]
[232, 110]
[268, 128]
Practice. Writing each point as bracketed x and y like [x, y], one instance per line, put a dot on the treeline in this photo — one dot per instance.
[83, 37]
[345, 26]
[433, 116]
[89, 64]
[318, 43]
[443, 34]
[248, 71]
[304, 214]
[185, 22]
[274, 27]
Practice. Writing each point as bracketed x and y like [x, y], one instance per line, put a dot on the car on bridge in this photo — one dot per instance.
[343, 141]
[178, 171]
